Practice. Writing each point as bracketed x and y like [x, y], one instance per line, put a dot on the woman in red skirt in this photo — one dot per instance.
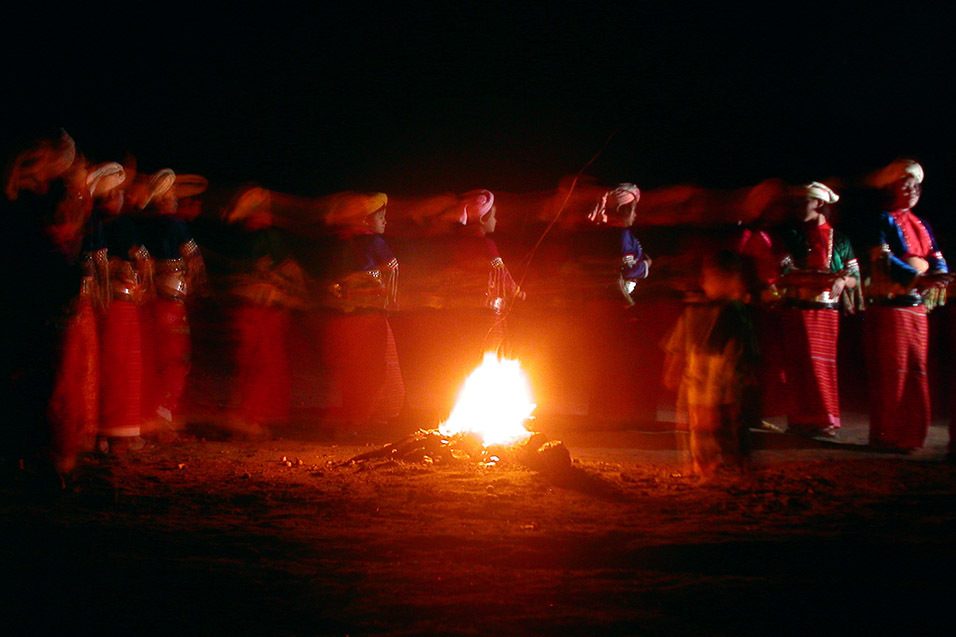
[908, 274]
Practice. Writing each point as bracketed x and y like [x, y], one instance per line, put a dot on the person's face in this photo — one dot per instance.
[628, 215]
[907, 192]
[811, 207]
[489, 221]
[375, 222]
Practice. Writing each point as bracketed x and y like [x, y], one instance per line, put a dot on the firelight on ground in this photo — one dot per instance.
[494, 403]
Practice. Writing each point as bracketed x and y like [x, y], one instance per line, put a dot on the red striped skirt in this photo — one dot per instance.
[167, 351]
[74, 406]
[810, 347]
[362, 352]
[121, 376]
[262, 357]
[774, 397]
[897, 340]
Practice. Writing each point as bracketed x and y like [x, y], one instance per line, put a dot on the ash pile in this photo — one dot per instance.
[431, 447]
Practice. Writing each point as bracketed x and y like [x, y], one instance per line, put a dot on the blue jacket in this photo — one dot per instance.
[890, 239]
[634, 265]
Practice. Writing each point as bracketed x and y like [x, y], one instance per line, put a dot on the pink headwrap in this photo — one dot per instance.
[623, 195]
[474, 205]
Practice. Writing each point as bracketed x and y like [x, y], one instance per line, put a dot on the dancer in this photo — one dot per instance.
[908, 277]
[179, 274]
[479, 259]
[820, 277]
[618, 207]
[121, 351]
[712, 362]
[365, 290]
[269, 286]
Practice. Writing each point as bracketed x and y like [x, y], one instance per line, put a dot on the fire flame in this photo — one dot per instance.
[493, 404]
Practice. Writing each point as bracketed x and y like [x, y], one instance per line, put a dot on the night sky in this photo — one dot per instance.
[513, 96]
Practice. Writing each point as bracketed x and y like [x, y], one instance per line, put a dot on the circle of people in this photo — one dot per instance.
[110, 253]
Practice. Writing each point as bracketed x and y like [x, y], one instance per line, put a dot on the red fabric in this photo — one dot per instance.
[263, 360]
[74, 405]
[896, 349]
[918, 242]
[759, 247]
[947, 388]
[810, 345]
[362, 352]
[121, 376]
[774, 399]
[820, 240]
[167, 352]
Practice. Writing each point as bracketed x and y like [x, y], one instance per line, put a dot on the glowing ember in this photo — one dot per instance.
[494, 404]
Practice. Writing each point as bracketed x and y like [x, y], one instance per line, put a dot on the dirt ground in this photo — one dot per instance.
[213, 535]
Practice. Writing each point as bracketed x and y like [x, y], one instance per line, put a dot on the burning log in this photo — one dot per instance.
[432, 447]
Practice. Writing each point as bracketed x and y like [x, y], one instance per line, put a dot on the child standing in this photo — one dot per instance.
[711, 362]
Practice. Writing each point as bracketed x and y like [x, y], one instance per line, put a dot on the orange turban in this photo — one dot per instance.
[351, 208]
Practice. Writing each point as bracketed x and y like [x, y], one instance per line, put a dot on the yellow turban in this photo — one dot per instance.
[351, 208]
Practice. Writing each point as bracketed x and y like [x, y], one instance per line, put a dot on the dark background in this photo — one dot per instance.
[412, 100]
[409, 99]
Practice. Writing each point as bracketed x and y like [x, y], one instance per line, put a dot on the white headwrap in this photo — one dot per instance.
[159, 184]
[475, 205]
[822, 192]
[105, 177]
[622, 195]
[899, 169]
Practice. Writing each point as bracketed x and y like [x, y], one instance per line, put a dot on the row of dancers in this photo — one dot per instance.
[102, 351]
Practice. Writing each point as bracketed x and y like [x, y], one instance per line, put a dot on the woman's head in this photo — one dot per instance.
[902, 181]
[617, 206]
[376, 221]
[906, 192]
[814, 199]
[489, 221]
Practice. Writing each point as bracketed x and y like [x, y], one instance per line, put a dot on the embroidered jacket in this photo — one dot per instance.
[892, 242]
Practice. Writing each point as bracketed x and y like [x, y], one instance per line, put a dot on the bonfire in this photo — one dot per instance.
[488, 425]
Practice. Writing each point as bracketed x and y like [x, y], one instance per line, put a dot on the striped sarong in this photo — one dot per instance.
[810, 348]
[897, 340]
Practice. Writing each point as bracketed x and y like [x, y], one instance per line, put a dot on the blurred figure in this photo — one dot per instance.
[821, 277]
[712, 362]
[179, 274]
[269, 285]
[616, 330]
[759, 243]
[44, 217]
[364, 290]
[618, 207]
[484, 270]
[908, 278]
[74, 408]
[121, 344]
